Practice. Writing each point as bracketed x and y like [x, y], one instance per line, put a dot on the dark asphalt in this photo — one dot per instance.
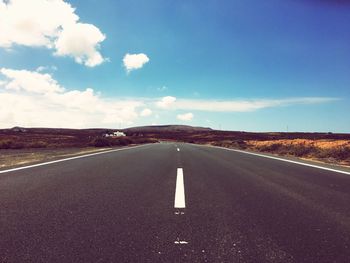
[119, 207]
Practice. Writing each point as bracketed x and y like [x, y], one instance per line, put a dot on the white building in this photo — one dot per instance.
[118, 134]
[115, 134]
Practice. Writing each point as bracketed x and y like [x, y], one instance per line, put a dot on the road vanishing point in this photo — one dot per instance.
[175, 202]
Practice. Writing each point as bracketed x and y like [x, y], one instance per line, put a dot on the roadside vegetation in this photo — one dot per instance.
[21, 138]
[95, 142]
[326, 147]
[330, 151]
[124, 141]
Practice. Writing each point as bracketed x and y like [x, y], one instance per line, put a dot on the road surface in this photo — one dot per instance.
[174, 203]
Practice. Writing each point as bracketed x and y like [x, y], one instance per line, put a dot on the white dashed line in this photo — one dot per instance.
[178, 149]
[180, 190]
[183, 242]
[179, 213]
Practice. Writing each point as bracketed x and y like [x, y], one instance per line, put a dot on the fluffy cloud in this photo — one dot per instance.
[166, 102]
[134, 61]
[30, 81]
[52, 24]
[146, 112]
[36, 99]
[80, 41]
[185, 117]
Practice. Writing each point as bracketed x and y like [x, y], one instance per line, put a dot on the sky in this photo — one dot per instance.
[247, 65]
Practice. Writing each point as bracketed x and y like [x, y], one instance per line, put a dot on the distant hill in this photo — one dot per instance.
[23, 137]
[166, 128]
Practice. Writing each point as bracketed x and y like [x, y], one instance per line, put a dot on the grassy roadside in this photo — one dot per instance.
[20, 157]
[326, 151]
[29, 148]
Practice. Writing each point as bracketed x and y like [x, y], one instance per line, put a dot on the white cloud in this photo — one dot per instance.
[80, 41]
[171, 103]
[134, 61]
[185, 117]
[166, 102]
[40, 69]
[146, 112]
[31, 98]
[30, 81]
[52, 24]
[44, 68]
[35, 99]
[243, 105]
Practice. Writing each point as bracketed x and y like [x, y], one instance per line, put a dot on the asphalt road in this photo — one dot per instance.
[119, 207]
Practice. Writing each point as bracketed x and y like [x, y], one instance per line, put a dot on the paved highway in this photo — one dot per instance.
[174, 203]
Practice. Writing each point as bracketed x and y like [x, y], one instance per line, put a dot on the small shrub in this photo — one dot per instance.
[141, 140]
[299, 150]
[122, 141]
[339, 153]
[6, 144]
[102, 142]
[11, 144]
[240, 144]
[270, 148]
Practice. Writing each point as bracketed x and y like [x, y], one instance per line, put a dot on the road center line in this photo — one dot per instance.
[180, 190]
[183, 242]
[178, 149]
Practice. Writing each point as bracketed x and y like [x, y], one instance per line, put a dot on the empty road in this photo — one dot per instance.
[174, 202]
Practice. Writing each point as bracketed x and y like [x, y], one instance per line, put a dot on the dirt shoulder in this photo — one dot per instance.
[12, 158]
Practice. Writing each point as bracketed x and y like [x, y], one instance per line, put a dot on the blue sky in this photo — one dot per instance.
[239, 65]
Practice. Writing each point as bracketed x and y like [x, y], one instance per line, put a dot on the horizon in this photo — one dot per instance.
[248, 66]
[166, 125]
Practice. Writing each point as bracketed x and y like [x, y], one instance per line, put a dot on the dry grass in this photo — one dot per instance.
[322, 144]
[12, 158]
[329, 151]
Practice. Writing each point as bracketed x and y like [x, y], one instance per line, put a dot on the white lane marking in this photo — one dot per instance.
[67, 159]
[284, 160]
[178, 149]
[181, 242]
[180, 190]
[179, 213]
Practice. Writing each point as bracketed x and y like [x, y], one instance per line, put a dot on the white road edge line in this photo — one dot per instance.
[284, 160]
[180, 190]
[67, 159]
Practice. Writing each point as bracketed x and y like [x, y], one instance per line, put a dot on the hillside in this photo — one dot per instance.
[166, 128]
